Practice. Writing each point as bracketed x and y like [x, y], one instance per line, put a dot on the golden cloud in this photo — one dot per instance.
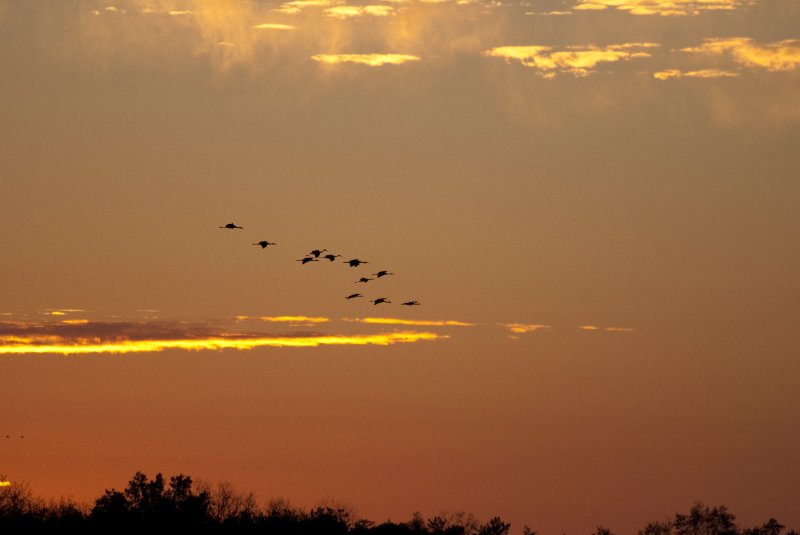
[143, 337]
[274, 26]
[620, 329]
[670, 74]
[427, 323]
[663, 7]
[292, 319]
[296, 6]
[776, 56]
[523, 328]
[371, 60]
[578, 61]
[147, 346]
[347, 12]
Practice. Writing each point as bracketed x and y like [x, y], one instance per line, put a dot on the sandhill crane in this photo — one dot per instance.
[317, 252]
[382, 273]
[410, 303]
[332, 257]
[355, 262]
[232, 226]
[380, 300]
[363, 279]
[265, 243]
[307, 259]
[353, 296]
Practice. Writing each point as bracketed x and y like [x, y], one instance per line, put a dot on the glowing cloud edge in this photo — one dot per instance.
[215, 344]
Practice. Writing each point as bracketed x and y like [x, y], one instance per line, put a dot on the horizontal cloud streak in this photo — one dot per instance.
[371, 60]
[125, 337]
[579, 61]
[775, 56]
[523, 328]
[348, 12]
[426, 323]
[671, 74]
[274, 26]
[662, 7]
[294, 319]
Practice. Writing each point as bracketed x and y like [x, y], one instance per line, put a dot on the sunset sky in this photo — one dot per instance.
[595, 202]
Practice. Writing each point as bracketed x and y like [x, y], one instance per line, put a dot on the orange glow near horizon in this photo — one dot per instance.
[213, 343]
[5, 483]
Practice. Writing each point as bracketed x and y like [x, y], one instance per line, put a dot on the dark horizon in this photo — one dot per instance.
[180, 502]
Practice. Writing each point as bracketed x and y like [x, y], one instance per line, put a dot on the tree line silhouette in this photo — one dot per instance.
[181, 503]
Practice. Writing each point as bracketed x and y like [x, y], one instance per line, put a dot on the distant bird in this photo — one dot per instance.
[9, 436]
[232, 226]
[353, 296]
[410, 303]
[355, 262]
[382, 273]
[317, 252]
[380, 300]
[331, 257]
[265, 243]
[363, 279]
[307, 259]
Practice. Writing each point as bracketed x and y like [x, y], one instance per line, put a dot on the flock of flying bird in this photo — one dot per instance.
[316, 255]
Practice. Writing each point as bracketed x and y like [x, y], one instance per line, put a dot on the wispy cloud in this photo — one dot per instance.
[297, 6]
[348, 12]
[523, 328]
[371, 60]
[293, 319]
[595, 328]
[274, 26]
[663, 7]
[577, 61]
[61, 311]
[421, 323]
[671, 74]
[772, 56]
[554, 13]
[139, 337]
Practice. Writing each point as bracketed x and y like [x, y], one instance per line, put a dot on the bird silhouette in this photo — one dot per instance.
[355, 262]
[410, 303]
[265, 243]
[232, 226]
[307, 259]
[353, 296]
[382, 273]
[380, 300]
[363, 279]
[331, 257]
[317, 252]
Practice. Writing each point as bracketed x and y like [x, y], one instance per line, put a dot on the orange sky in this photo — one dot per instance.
[593, 201]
